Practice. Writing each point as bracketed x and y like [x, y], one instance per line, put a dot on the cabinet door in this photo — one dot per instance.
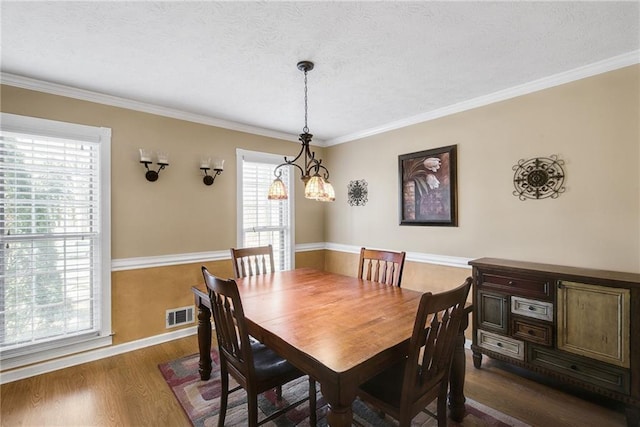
[492, 311]
[593, 321]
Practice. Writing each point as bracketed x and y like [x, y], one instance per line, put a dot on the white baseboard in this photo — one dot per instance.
[90, 356]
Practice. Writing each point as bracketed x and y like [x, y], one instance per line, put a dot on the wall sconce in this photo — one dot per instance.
[205, 165]
[145, 158]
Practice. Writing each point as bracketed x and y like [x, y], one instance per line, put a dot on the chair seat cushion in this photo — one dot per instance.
[268, 364]
[387, 386]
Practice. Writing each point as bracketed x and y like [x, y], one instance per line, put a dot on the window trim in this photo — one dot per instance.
[258, 156]
[51, 128]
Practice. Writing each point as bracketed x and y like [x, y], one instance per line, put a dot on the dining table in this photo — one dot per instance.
[340, 330]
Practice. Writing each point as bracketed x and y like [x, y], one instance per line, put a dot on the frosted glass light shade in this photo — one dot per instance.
[315, 188]
[330, 193]
[277, 190]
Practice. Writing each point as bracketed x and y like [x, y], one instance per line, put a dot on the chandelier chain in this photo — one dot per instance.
[305, 129]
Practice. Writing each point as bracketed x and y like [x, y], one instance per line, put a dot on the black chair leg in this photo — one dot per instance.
[312, 403]
[252, 403]
[224, 384]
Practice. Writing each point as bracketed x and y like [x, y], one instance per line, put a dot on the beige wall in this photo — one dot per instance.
[178, 213]
[175, 215]
[592, 124]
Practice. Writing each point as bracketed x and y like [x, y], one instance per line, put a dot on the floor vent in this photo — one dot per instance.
[179, 316]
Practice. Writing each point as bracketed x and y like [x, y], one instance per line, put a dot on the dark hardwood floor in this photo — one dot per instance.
[128, 390]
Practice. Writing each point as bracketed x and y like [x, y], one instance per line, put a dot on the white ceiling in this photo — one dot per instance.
[377, 63]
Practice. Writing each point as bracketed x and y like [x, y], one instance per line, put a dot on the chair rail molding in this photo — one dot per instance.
[122, 264]
[189, 258]
[451, 261]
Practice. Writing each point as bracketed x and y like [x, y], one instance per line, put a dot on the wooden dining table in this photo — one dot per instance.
[340, 330]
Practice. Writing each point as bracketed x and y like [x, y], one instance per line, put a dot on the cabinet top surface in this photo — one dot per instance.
[571, 273]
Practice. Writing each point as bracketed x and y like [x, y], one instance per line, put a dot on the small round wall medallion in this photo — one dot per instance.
[357, 191]
[539, 178]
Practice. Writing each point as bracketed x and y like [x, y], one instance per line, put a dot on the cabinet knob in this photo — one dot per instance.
[532, 308]
[511, 283]
[499, 344]
[574, 367]
[531, 332]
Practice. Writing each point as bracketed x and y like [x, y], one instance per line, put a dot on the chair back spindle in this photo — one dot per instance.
[381, 266]
[252, 261]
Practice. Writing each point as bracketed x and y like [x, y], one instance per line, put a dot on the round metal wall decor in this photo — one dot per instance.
[357, 191]
[539, 178]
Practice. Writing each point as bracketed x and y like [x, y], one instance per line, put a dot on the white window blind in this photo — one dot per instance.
[54, 225]
[262, 221]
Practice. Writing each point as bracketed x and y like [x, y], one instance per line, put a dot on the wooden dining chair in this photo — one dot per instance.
[405, 389]
[254, 366]
[381, 266]
[252, 261]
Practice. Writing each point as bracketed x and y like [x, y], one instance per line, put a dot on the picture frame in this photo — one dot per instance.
[428, 187]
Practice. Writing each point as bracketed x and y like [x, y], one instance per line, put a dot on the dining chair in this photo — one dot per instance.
[381, 266]
[254, 366]
[252, 261]
[406, 388]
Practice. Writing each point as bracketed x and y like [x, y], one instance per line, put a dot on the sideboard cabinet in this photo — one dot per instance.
[577, 325]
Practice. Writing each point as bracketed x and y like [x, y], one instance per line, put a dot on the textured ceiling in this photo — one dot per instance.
[376, 62]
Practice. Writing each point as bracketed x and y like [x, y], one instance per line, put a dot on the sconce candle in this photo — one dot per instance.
[205, 163]
[163, 158]
[218, 164]
[145, 156]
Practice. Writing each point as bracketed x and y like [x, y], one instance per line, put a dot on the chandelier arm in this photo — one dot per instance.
[326, 171]
[302, 150]
[278, 173]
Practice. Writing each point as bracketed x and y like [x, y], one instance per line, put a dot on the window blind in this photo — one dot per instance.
[265, 221]
[51, 271]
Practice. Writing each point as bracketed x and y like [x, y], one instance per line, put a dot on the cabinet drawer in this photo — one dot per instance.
[532, 332]
[532, 308]
[500, 344]
[518, 285]
[592, 372]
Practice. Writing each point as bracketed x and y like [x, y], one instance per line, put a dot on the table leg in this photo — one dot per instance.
[339, 413]
[204, 341]
[456, 376]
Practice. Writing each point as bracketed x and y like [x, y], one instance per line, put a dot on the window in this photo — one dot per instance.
[55, 260]
[261, 221]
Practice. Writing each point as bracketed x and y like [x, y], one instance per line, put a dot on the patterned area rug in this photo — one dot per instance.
[201, 402]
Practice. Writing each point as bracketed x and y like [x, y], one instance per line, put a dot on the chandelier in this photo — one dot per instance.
[314, 175]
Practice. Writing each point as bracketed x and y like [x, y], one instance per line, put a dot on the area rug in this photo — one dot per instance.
[201, 402]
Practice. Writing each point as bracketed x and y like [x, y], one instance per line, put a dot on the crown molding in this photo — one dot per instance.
[614, 63]
[600, 67]
[115, 101]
